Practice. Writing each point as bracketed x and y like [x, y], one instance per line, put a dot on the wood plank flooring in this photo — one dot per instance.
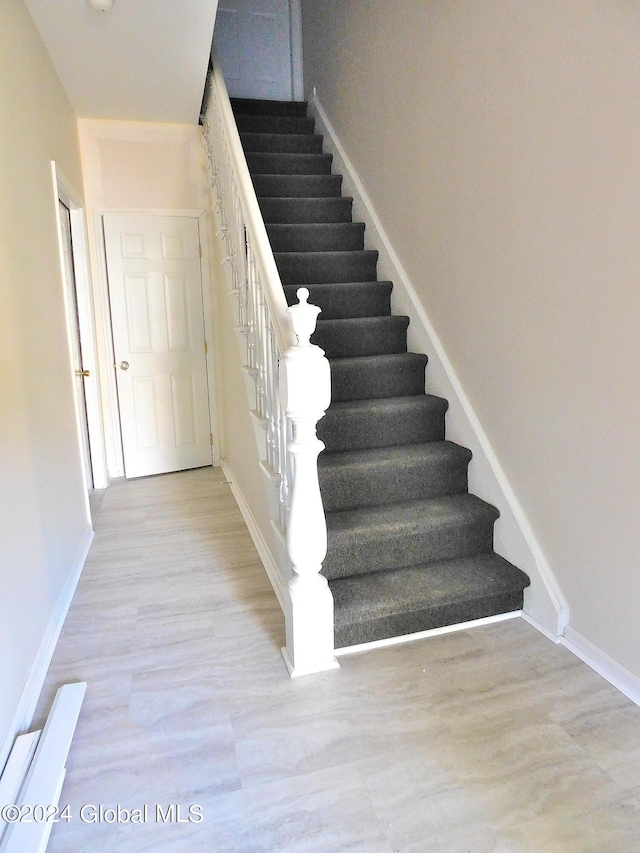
[492, 740]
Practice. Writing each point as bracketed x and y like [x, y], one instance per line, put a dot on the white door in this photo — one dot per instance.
[81, 375]
[155, 289]
[252, 39]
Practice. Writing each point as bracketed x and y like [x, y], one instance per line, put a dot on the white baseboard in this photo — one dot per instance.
[515, 538]
[268, 560]
[38, 672]
[45, 775]
[425, 635]
[555, 638]
[616, 674]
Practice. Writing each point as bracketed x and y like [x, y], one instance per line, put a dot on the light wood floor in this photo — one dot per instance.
[489, 740]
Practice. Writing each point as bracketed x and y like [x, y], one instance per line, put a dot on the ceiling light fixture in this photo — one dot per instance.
[101, 5]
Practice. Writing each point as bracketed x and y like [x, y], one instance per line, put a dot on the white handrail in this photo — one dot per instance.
[253, 220]
[291, 386]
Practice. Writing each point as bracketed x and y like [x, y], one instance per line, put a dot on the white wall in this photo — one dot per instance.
[499, 144]
[44, 525]
[140, 166]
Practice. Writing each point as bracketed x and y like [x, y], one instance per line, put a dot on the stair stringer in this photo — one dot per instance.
[545, 606]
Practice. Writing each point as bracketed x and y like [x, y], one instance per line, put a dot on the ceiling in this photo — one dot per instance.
[146, 60]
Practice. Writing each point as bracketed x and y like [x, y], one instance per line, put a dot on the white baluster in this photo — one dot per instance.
[305, 388]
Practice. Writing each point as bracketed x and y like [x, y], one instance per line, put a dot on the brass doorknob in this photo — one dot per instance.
[124, 365]
[84, 373]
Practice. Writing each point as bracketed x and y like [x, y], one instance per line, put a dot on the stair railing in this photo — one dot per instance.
[291, 385]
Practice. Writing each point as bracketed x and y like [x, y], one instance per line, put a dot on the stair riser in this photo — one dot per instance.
[261, 163]
[342, 431]
[331, 237]
[356, 381]
[297, 186]
[348, 555]
[352, 633]
[305, 210]
[274, 124]
[426, 596]
[344, 301]
[251, 106]
[320, 267]
[362, 486]
[362, 337]
[282, 142]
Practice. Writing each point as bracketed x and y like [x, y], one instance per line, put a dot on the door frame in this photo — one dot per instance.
[113, 413]
[65, 192]
[295, 42]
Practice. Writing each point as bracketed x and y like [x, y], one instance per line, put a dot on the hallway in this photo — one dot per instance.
[486, 740]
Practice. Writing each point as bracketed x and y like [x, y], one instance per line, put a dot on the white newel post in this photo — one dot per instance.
[305, 394]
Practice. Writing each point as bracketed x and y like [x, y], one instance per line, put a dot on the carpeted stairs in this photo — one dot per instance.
[409, 548]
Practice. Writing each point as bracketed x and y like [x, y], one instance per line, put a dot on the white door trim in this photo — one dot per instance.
[65, 192]
[295, 41]
[115, 456]
[209, 334]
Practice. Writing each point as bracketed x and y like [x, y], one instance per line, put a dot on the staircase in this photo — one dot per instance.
[409, 549]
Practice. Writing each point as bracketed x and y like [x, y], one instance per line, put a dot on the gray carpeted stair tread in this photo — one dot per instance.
[378, 376]
[301, 210]
[297, 186]
[363, 424]
[288, 163]
[419, 598]
[361, 336]
[342, 300]
[251, 106]
[274, 124]
[392, 474]
[325, 267]
[316, 237]
[370, 539]
[301, 143]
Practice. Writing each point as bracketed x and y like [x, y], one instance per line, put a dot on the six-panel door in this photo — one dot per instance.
[155, 289]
